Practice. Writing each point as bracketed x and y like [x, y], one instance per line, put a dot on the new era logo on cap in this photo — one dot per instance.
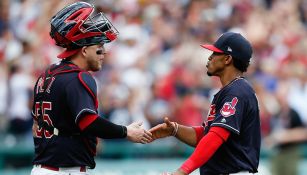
[233, 44]
[229, 49]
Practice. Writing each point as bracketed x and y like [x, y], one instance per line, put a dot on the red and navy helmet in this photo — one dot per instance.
[74, 27]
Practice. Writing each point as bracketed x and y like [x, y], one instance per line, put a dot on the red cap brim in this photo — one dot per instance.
[67, 53]
[212, 48]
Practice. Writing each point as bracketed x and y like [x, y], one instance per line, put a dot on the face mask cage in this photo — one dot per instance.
[100, 23]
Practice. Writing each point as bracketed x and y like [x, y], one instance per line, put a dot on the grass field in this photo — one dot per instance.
[128, 162]
[144, 167]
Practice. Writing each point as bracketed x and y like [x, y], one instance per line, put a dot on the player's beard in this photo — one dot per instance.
[94, 65]
[214, 71]
[209, 73]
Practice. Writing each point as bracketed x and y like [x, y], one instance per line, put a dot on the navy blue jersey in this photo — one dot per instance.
[235, 107]
[69, 94]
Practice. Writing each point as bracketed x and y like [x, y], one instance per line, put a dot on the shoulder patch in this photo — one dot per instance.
[89, 83]
[229, 108]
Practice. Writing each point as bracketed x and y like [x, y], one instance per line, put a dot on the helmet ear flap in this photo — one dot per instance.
[59, 39]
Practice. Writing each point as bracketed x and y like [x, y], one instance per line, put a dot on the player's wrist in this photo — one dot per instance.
[182, 171]
[187, 167]
[125, 132]
[175, 130]
[130, 131]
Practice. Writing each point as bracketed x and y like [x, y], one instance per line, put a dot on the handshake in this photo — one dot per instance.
[135, 132]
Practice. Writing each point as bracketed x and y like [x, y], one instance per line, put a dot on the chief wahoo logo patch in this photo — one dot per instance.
[228, 108]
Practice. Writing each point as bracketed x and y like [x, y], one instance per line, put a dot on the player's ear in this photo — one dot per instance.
[228, 59]
[84, 50]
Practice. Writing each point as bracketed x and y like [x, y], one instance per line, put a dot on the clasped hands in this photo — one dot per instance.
[178, 172]
[137, 134]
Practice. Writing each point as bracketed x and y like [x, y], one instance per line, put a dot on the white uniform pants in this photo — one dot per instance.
[243, 173]
[38, 170]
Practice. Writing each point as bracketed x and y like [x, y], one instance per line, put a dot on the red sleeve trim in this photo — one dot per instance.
[199, 130]
[207, 146]
[86, 120]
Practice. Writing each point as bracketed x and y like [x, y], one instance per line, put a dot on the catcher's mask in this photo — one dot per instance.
[74, 27]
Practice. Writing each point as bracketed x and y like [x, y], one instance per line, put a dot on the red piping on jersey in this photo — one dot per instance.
[89, 90]
[86, 120]
[207, 146]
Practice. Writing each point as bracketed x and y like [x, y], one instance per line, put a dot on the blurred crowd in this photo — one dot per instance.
[156, 68]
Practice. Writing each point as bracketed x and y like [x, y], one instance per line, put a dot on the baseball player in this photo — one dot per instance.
[228, 142]
[66, 122]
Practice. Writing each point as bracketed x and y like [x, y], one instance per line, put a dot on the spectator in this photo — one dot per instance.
[20, 85]
[284, 121]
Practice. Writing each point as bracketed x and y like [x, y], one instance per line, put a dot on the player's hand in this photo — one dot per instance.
[163, 130]
[178, 172]
[136, 133]
[166, 173]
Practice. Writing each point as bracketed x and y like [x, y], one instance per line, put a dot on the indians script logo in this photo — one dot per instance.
[228, 108]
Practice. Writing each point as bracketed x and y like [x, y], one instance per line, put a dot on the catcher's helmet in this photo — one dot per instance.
[73, 27]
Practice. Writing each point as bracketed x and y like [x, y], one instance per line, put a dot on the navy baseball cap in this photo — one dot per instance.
[233, 44]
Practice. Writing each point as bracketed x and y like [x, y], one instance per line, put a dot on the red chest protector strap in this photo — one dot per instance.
[89, 83]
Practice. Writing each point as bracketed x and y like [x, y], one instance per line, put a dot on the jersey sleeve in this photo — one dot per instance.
[81, 97]
[229, 113]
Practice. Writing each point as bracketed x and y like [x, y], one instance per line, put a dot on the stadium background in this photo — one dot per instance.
[155, 69]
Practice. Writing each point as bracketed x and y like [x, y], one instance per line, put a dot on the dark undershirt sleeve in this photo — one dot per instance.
[102, 128]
